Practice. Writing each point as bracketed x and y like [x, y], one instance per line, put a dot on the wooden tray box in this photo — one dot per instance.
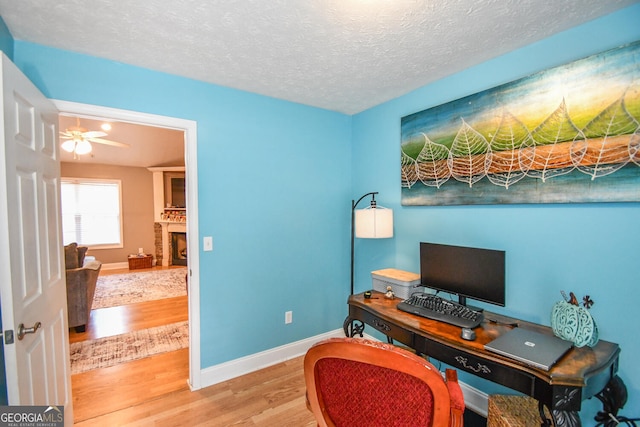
[137, 262]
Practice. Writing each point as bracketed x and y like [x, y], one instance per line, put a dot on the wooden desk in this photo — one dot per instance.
[580, 374]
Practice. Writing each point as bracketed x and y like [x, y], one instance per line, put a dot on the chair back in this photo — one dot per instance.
[356, 383]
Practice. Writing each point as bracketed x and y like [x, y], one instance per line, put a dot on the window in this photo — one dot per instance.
[92, 212]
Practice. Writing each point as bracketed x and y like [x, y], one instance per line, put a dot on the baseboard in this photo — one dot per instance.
[120, 265]
[474, 399]
[244, 365]
[115, 266]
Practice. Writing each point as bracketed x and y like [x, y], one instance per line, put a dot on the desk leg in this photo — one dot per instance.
[563, 419]
[613, 398]
[546, 422]
[565, 397]
[353, 327]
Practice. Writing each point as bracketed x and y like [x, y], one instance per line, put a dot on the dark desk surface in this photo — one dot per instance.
[580, 374]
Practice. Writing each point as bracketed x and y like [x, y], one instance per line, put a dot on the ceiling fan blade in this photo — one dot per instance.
[94, 134]
[107, 142]
[66, 134]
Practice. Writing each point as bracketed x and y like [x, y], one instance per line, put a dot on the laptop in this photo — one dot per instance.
[530, 347]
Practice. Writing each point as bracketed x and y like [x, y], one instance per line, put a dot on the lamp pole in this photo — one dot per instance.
[353, 232]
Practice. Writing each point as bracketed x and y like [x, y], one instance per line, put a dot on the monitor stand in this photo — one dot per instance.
[463, 301]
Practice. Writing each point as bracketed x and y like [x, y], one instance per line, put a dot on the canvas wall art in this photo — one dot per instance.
[570, 134]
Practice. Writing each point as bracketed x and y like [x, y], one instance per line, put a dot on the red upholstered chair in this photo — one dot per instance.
[355, 382]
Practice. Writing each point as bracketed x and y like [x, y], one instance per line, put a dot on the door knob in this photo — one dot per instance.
[22, 331]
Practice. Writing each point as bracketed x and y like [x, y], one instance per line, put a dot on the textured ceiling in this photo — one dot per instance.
[342, 55]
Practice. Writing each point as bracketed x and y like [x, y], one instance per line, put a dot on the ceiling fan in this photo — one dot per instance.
[77, 140]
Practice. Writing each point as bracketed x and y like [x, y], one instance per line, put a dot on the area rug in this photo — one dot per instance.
[130, 288]
[110, 351]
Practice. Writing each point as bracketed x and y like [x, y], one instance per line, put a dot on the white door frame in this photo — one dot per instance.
[190, 131]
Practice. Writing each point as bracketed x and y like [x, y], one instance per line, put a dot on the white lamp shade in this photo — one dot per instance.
[83, 147]
[374, 223]
[69, 145]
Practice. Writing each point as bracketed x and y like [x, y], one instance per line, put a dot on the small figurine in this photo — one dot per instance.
[587, 302]
[573, 300]
[389, 293]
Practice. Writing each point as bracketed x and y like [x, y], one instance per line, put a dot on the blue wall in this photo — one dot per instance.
[274, 186]
[586, 248]
[6, 40]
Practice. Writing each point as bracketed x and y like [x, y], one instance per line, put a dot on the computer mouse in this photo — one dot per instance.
[468, 334]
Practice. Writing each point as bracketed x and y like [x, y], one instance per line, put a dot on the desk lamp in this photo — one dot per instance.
[372, 222]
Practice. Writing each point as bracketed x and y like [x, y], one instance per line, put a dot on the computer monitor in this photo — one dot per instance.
[467, 272]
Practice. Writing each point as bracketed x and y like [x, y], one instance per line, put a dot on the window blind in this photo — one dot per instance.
[91, 212]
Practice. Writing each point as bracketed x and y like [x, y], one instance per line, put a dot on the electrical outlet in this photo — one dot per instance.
[288, 317]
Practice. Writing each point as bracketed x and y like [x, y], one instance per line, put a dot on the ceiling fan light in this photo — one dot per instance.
[68, 145]
[83, 147]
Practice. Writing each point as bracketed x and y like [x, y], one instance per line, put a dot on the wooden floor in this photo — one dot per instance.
[154, 391]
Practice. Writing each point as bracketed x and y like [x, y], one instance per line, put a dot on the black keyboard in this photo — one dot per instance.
[436, 308]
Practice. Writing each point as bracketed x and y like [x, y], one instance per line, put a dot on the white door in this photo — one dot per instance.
[32, 277]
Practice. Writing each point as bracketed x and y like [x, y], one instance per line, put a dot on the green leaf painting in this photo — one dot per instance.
[570, 134]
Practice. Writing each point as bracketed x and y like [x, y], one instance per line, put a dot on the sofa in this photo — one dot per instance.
[82, 277]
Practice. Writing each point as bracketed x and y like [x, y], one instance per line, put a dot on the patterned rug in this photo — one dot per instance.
[130, 288]
[110, 351]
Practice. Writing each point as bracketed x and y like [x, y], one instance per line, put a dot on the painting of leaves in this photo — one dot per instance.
[570, 134]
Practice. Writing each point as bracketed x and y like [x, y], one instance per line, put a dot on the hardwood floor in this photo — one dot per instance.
[154, 391]
[106, 322]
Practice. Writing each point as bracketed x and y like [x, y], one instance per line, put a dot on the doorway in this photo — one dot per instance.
[190, 135]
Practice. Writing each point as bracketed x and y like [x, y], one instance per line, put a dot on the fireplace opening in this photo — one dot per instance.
[179, 249]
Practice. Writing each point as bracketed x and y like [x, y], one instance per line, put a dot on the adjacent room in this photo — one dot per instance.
[276, 130]
[123, 199]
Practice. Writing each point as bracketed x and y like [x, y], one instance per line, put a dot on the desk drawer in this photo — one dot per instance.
[483, 368]
[387, 328]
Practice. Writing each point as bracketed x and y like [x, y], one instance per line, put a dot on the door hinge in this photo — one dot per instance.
[8, 336]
